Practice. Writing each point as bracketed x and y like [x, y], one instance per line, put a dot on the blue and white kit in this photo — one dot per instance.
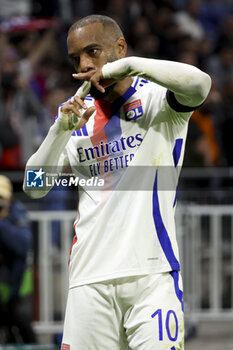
[124, 232]
[125, 287]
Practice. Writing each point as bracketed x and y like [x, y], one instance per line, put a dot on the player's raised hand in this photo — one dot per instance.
[95, 76]
[74, 113]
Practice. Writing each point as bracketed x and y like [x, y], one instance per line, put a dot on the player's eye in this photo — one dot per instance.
[94, 52]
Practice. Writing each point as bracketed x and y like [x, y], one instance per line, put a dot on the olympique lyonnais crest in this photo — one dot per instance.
[133, 110]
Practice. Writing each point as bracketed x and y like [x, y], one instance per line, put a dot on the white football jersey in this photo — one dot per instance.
[135, 147]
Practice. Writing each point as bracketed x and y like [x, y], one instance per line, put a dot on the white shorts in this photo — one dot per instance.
[139, 313]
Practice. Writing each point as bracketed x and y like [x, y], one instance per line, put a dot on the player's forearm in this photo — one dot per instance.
[190, 85]
[51, 148]
[47, 157]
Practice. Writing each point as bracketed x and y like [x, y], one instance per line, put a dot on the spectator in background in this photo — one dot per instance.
[225, 36]
[24, 85]
[58, 197]
[227, 126]
[15, 241]
[207, 145]
[140, 29]
[187, 44]
[193, 31]
[148, 47]
[8, 137]
[188, 19]
[19, 108]
[188, 57]
[220, 65]
[203, 145]
[169, 37]
[213, 14]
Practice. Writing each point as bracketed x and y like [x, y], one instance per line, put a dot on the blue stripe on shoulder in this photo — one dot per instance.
[88, 98]
[143, 81]
[135, 83]
[139, 82]
[81, 132]
[84, 130]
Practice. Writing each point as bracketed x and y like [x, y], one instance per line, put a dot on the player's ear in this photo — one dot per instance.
[121, 47]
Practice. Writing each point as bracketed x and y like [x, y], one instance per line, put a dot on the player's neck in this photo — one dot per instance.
[119, 89]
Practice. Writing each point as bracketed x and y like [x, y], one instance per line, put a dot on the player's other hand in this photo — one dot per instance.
[95, 76]
[74, 114]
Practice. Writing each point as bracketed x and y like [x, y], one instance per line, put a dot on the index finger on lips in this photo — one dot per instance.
[83, 76]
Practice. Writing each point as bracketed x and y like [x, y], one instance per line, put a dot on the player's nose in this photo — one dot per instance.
[85, 64]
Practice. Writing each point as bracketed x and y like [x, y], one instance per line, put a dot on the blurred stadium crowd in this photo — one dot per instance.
[35, 72]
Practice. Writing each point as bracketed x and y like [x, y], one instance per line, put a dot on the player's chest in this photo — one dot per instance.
[116, 138]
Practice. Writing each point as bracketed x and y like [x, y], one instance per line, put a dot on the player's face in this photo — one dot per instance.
[91, 46]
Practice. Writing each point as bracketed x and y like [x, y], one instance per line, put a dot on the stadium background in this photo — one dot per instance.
[35, 76]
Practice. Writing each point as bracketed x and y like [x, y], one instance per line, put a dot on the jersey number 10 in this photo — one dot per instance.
[170, 313]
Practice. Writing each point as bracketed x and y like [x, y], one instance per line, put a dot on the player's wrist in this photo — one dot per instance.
[64, 123]
[117, 70]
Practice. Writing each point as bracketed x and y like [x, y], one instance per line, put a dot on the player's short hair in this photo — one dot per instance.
[106, 21]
